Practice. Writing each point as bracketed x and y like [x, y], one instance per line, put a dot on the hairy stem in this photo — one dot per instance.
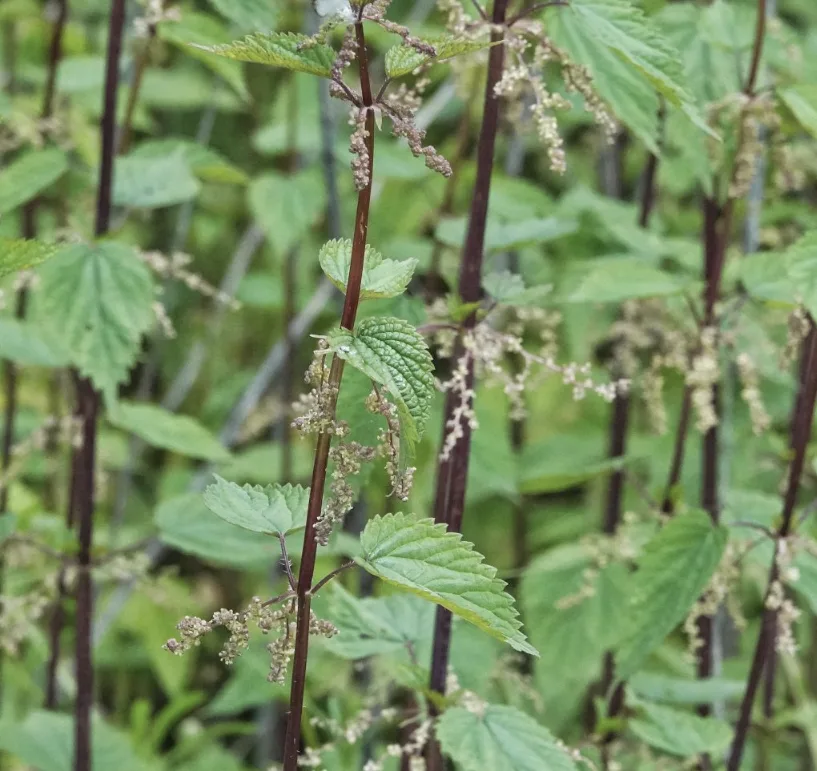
[309, 553]
[88, 402]
[804, 415]
[453, 474]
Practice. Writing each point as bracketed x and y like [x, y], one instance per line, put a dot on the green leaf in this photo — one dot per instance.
[509, 289]
[25, 343]
[186, 524]
[255, 15]
[679, 733]
[422, 557]
[45, 741]
[375, 626]
[197, 33]
[802, 101]
[499, 737]
[501, 236]
[161, 428]
[286, 218]
[561, 462]
[204, 162]
[382, 277]
[802, 270]
[404, 59]
[97, 300]
[617, 279]
[30, 174]
[672, 573]
[391, 352]
[8, 525]
[274, 509]
[149, 182]
[22, 253]
[676, 690]
[280, 49]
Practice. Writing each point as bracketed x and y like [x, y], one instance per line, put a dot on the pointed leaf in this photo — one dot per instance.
[280, 49]
[673, 571]
[391, 352]
[23, 253]
[97, 300]
[404, 59]
[274, 509]
[161, 428]
[28, 175]
[500, 737]
[382, 277]
[422, 557]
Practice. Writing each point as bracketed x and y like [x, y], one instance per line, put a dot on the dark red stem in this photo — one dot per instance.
[452, 475]
[309, 553]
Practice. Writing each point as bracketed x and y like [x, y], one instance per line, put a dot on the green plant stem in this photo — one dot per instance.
[88, 402]
[804, 415]
[133, 92]
[348, 316]
[452, 475]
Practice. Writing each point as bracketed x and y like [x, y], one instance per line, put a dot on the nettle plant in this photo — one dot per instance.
[670, 636]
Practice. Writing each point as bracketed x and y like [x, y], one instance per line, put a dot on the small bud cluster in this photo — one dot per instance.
[154, 13]
[722, 590]
[316, 410]
[19, 616]
[362, 162]
[124, 568]
[777, 600]
[175, 267]
[702, 377]
[163, 320]
[755, 114]
[389, 445]
[401, 112]
[797, 329]
[750, 392]
[652, 392]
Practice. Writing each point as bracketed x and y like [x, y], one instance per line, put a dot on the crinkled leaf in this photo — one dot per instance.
[97, 300]
[28, 175]
[674, 569]
[499, 737]
[404, 59]
[424, 558]
[619, 279]
[391, 352]
[509, 289]
[45, 741]
[152, 182]
[382, 277]
[280, 49]
[274, 509]
[162, 428]
[677, 732]
[197, 33]
[287, 207]
[23, 253]
[26, 343]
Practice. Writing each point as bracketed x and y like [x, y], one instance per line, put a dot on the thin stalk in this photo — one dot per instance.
[453, 474]
[133, 93]
[804, 415]
[348, 316]
[88, 401]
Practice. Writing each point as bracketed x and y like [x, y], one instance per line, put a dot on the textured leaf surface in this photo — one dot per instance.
[679, 733]
[673, 571]
[382, 277]
[802, 101]
[28, 175]
[152, 182]
[96, 299]
[417, 555]
[615, 280]
[161, 428]
[274, 509]
[404, 59]
[501, 738]
[279, 49]
[509, 289]
[22, 253]
[45, 741]
[391, 352]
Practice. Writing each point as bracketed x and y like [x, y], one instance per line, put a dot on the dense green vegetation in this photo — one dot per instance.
[491, 451]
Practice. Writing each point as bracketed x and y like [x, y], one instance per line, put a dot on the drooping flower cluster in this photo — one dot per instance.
[701, 378]
[175, 267]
